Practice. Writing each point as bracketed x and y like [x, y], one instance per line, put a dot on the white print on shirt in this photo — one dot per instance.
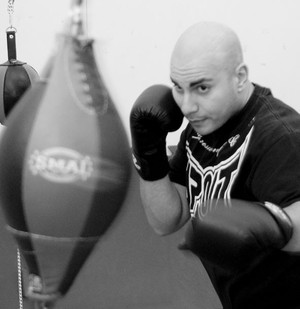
[212, 182]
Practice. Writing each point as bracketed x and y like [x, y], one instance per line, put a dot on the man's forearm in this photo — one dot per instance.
[293, 212]
[165, 205]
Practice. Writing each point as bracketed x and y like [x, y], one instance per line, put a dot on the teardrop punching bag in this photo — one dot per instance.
[15, 77]
[64, 169]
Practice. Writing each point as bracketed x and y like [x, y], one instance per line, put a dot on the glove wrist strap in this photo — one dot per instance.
[151, 167]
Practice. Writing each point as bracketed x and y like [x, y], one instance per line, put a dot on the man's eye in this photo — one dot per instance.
[203, 89]
[177, 88]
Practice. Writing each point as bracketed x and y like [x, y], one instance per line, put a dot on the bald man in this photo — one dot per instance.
[234, 180]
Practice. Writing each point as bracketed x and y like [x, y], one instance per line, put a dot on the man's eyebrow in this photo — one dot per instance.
[173, 81]
[196, 82]
[200, 81]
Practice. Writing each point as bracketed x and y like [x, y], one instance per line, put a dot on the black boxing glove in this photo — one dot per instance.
[153, 115]
[234, 234]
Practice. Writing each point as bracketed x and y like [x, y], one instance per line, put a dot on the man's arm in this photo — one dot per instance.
[293, 212]
[233, 234]
[153, 116]
[165, 205]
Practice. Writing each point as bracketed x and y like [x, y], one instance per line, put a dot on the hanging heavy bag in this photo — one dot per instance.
[15, 77]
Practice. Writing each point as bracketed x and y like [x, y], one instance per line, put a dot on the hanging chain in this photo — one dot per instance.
[20, 287]
[79, 18]
[10, 10]
[37, 305]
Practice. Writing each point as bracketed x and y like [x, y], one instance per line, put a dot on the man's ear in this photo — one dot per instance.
[242, 76]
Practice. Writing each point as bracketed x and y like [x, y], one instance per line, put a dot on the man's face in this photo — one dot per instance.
[206, 93]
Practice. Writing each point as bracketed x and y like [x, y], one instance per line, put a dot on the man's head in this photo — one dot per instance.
[210, 79]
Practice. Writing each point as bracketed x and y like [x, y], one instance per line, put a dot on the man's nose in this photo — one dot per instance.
[189, 105]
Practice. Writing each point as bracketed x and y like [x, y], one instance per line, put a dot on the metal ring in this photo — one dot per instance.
[11, 28]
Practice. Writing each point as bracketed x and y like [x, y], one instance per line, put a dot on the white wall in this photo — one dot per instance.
[134, 39]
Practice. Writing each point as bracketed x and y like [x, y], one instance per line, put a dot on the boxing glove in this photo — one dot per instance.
[234, 234]
[153, 115]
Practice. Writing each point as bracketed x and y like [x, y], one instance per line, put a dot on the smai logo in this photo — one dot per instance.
[60, 164]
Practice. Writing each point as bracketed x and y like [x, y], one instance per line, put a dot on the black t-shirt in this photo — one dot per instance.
[255, 156]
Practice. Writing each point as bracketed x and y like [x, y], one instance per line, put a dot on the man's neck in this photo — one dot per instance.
[248, 92]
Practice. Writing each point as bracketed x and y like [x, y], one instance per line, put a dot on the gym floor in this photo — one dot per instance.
[131, 267]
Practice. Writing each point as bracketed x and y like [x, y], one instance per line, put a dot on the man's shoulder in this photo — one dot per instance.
[276, 116]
